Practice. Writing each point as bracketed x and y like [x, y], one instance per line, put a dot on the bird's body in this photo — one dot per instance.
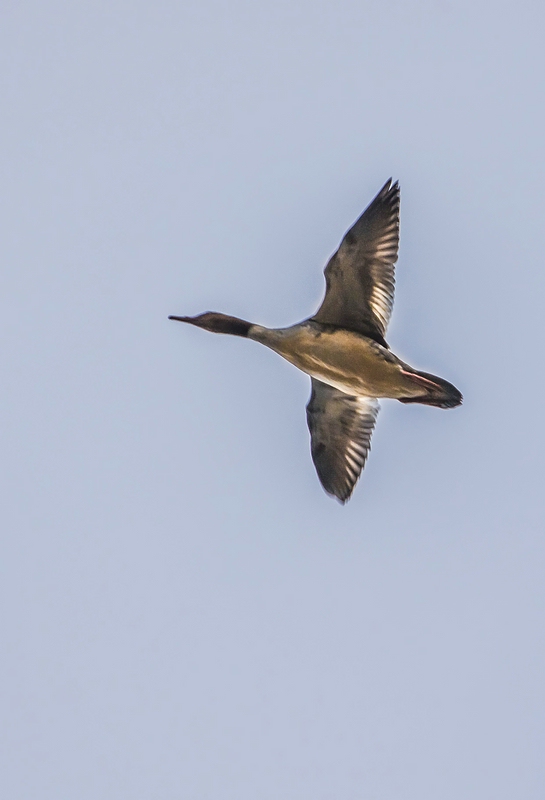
[350, 362]
[342, 348]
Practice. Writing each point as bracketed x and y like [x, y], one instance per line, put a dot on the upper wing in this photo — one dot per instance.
[340, 429]
[360, 275]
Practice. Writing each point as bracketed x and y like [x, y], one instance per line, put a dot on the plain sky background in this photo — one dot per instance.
[186, 614]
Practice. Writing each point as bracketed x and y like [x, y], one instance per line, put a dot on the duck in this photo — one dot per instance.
[343, 349]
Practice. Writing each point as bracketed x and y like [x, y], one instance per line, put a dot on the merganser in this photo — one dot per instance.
[343, 349]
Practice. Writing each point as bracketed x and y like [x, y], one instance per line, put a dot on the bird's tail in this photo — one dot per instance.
[435, 391]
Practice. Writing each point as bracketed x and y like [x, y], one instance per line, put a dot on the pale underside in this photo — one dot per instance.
[347, 361]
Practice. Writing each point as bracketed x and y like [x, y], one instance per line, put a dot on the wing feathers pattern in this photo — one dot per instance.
[340, 427]
[360, 276]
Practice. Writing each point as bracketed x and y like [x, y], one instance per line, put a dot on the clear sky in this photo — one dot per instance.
[186, 614]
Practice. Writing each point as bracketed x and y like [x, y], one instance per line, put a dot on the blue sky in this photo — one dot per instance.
[186, 613]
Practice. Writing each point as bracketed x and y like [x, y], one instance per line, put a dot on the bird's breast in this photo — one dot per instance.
[341, 358]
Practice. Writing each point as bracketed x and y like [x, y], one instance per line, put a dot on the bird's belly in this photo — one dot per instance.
[353, 373]
[345, 360]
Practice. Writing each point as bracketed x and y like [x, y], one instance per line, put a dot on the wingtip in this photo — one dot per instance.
[390, 189]
[339, 496]
[386, 188]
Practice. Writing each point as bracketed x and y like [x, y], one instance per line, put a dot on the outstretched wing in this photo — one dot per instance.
[340, 429]
[360, 275]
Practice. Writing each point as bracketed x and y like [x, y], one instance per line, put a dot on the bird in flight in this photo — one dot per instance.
[343, 349]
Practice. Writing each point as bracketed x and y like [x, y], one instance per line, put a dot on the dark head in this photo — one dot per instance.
[218, 323]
